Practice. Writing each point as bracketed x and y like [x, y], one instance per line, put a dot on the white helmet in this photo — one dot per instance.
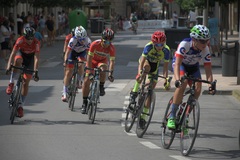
[80, 32]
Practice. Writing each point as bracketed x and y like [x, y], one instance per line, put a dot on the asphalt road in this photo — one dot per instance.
[49, 131]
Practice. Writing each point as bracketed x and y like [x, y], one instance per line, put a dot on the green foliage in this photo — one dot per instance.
[186, 5]
[226, 2]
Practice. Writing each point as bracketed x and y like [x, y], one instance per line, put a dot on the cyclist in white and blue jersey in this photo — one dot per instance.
[77, 49]
[186, 60]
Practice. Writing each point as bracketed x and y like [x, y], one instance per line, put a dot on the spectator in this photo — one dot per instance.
[5, 45]
[192, 18]
[38, 35]
[175, 19]
[41, 24]
[19, 25]
[50, 30]
[213, 25]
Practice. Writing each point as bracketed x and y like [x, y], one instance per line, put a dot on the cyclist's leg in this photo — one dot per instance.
[103, 65]
[82, 58]
[177, 99]
[198, 88]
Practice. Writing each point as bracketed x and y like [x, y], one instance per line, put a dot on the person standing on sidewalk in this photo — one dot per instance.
[186, 60]
[213, 25]
[175, 19]
[25, 52]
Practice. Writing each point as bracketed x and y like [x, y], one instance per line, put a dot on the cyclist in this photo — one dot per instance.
[153, 53]
[134, 20]
[25, 52]
[67, 39]
[77, 47]
[101, 53]
[186, 60]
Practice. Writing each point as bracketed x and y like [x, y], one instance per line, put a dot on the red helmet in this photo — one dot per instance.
[108, 34]
[158, 37]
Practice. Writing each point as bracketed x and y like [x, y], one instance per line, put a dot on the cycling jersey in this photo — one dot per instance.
[68, 37]
[191, 56]
[75, 45]
[100, 53]
[26, 48]
[154, 56]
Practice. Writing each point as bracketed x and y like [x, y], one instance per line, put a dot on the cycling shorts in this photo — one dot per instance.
[75, 56]
[153, 70]
[28, 62]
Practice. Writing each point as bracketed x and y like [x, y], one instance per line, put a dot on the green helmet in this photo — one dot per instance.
[200, 32]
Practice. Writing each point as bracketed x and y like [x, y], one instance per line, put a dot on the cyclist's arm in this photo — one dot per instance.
[208, 71]
[89, 60]
[111, 66]
[178, 63]
[165, 69]
[67, 54]
[65, 46]
[36, 60]
[141, 64]
[12, 55]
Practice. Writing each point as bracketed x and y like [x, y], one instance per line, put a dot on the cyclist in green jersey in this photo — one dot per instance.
[153, 53]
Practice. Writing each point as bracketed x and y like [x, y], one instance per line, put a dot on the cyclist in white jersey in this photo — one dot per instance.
[77, 49]
[186, 60]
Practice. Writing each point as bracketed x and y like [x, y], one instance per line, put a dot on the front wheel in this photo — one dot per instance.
[93, 101]
[72, 90]
[144, 119]
[130, 116]
[189, 127]
[15, 97]
[167, 134]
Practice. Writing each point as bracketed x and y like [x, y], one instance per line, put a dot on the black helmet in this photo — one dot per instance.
[28, 32]
[108, 34]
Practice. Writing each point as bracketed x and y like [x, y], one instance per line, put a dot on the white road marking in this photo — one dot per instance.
[126, 102]
[50, 64]
[116, 87]
[132, 64]
[123, 115]
[131, 133]
[179, 157]
[150, 145]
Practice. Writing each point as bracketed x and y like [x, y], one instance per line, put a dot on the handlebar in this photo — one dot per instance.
[22, 68]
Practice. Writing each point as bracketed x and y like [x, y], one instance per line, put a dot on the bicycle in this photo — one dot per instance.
[94, 94]
[187, 119]
[135, 108]
[73, 85]
[15, 97]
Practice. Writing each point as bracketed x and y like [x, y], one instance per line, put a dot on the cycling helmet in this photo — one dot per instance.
[108, 34]
[28, 32]
[158, 37]
[80, 32]
[200, 32]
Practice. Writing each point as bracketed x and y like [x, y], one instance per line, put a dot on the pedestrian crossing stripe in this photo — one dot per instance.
[115, 87]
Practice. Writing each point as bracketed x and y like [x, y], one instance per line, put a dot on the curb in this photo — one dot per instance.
[236, 94]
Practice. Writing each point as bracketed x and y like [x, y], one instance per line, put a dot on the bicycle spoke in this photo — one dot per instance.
[130, 116]
[189, 128]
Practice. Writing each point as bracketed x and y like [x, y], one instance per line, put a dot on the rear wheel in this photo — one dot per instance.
[189, 127]
[167, 134]
[144, 119]
[72, 90]
[94, 95]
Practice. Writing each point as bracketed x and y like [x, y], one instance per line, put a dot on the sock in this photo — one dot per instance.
[65, 90]
[136, 86]
[174, 108]
[85, 100]
[145, 110]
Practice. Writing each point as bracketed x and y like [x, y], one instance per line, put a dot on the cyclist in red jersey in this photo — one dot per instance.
[100, 51]
[67, 39]
[25, 52]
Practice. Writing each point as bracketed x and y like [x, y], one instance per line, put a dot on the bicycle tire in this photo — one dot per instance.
[167, 135]
[16, 98]
[141, 131]
[130, 116]
[93, 101]
[72, 92]
[190, 127]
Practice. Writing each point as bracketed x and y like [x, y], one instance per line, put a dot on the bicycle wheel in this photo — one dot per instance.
[189, 127]
[142, 128]
[130, 116]
[94, 95]
[167, 134]
[72, 90]
[15, 101]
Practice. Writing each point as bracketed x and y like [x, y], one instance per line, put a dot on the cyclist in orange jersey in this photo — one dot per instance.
[100, 51]
[67, 39]
[25, 52]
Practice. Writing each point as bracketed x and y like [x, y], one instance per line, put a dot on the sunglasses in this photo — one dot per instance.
[159, 44]
[106, 42]
[29, 38]
[203, 41]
